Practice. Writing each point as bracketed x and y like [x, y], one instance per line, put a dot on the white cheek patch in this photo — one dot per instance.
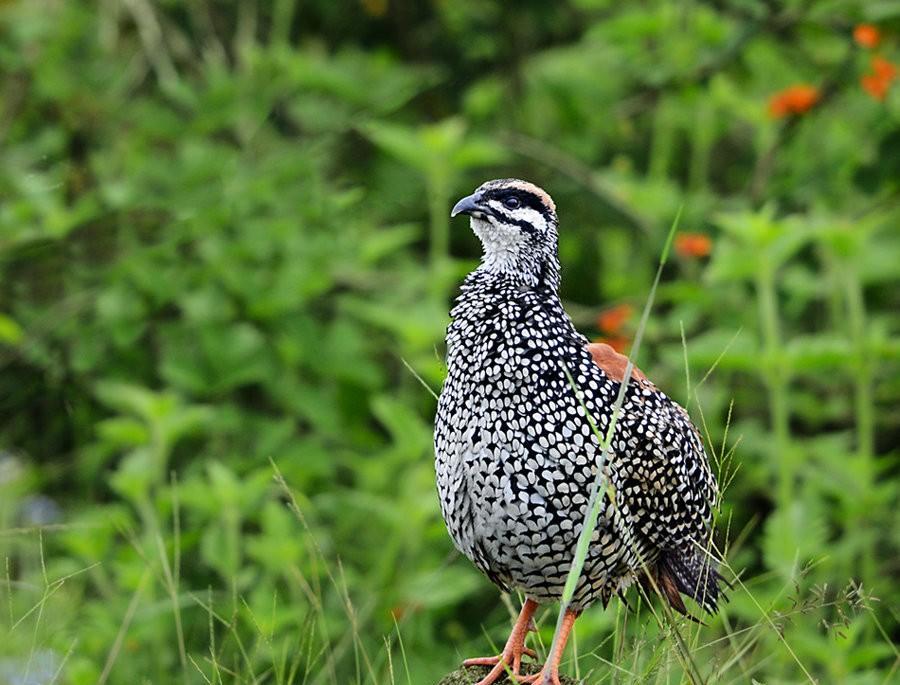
[503, 242]
[532, 216]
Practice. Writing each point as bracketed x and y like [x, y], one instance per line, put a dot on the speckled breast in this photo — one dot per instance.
[515, 453]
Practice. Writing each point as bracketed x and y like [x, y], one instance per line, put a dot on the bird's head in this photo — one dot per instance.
[516, 223]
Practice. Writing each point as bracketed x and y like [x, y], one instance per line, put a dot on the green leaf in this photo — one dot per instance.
[792, 538]
[121, 432]
[10, 331]
[812, 353]
[443, 148]
[444, 588]
[136, 474]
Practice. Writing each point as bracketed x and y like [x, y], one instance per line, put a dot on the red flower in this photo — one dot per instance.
[884, 69]
[398, 611]
[693, 245]
[612, 320]
[875, 86]
[795, 99]
[867, 35]
[877, 83]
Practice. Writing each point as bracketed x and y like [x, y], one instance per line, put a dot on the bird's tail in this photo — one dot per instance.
[686, 572]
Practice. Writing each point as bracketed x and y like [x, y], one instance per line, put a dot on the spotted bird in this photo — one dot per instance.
[516, 454]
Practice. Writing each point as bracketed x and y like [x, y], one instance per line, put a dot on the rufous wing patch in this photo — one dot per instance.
[613, 363]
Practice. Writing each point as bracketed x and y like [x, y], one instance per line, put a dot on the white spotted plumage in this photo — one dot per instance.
[515, 453]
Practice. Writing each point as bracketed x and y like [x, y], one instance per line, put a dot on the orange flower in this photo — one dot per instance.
[617, 342]
[884, 69]
[876, 84]
[795, 99]
[867, 35]
[612, 320]
[693, 245]
[398, 611]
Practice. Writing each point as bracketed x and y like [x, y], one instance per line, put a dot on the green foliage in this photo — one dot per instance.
[225, 270]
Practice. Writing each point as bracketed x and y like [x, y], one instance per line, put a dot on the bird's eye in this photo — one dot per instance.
[512, 203]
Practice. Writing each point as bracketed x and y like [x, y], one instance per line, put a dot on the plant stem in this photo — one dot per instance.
[865, 417]
[662, 143]
[863, 404]
[282, 16]
[775, 377]
[702, 139]
[439, 228]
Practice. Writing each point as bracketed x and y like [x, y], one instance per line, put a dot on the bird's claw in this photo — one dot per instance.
[511, 659]
[494, 660]
[538, 678]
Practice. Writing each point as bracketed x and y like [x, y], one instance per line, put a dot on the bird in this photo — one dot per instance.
[516, 452]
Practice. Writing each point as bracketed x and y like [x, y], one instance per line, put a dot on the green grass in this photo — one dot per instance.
[244, 644]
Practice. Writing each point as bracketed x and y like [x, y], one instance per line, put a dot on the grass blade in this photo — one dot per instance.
[598, 486]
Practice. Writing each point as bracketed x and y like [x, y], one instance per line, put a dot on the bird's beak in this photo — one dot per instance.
[469, 204]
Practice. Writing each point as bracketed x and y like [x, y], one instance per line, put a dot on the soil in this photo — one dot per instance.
[472, 674]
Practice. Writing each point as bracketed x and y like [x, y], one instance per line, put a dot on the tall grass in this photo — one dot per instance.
[333, 639]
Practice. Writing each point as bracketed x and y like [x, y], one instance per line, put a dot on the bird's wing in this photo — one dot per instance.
[613, 363]
[667, 477]
[669, 417]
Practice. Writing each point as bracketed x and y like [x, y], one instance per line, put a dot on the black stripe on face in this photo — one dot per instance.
[521, 223]
[526, 197]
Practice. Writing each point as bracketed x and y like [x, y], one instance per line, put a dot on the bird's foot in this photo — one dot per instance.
[516, 658]
[550, 672]
[510, 660]
[539, 678]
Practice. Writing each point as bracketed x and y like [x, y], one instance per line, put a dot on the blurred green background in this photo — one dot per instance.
[225, 257]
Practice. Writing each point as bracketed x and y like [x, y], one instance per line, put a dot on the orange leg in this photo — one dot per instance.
[550, 672]
[512, 652]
